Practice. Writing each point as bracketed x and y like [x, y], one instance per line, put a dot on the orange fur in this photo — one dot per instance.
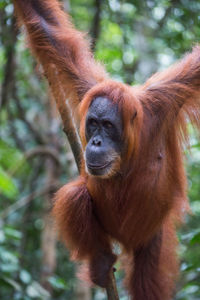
[144, 197]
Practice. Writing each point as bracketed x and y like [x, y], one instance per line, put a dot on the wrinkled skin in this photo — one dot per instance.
[104, 134]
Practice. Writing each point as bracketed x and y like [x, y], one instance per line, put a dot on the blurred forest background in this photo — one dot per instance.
[133, 39]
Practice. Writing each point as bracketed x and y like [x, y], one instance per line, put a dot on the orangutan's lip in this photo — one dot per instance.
[98, 167]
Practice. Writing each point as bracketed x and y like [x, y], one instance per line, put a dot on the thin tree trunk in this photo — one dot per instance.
[82, 291]
[53, 171]
[48, 237]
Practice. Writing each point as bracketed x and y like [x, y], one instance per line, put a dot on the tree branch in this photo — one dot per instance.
[65, 112]
[95, 28]
[111, 289]
[37, 151]
[9, 67]
[25, 200]
[47, 151]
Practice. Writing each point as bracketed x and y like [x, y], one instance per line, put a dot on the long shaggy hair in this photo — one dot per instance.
[144, 197]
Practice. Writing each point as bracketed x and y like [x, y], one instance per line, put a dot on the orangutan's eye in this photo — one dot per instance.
[107, 124]
[92, 122]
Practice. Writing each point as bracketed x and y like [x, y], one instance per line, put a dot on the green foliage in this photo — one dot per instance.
[14, 279]
[7, 186]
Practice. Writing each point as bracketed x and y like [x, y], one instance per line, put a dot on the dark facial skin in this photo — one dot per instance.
[104, 136]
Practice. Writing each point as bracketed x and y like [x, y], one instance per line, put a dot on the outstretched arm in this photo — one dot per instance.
[54, 40]
[176, 91]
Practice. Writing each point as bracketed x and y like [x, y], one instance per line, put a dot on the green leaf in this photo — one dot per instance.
[8, 257]
[7, 185]
[35, 290]
[12, 283]
[9, 156]
[195, 239]
[57, 283]
[12, 233]
[25, 276]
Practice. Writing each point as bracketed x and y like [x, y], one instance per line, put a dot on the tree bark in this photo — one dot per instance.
[49, 236]
[82, 291]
